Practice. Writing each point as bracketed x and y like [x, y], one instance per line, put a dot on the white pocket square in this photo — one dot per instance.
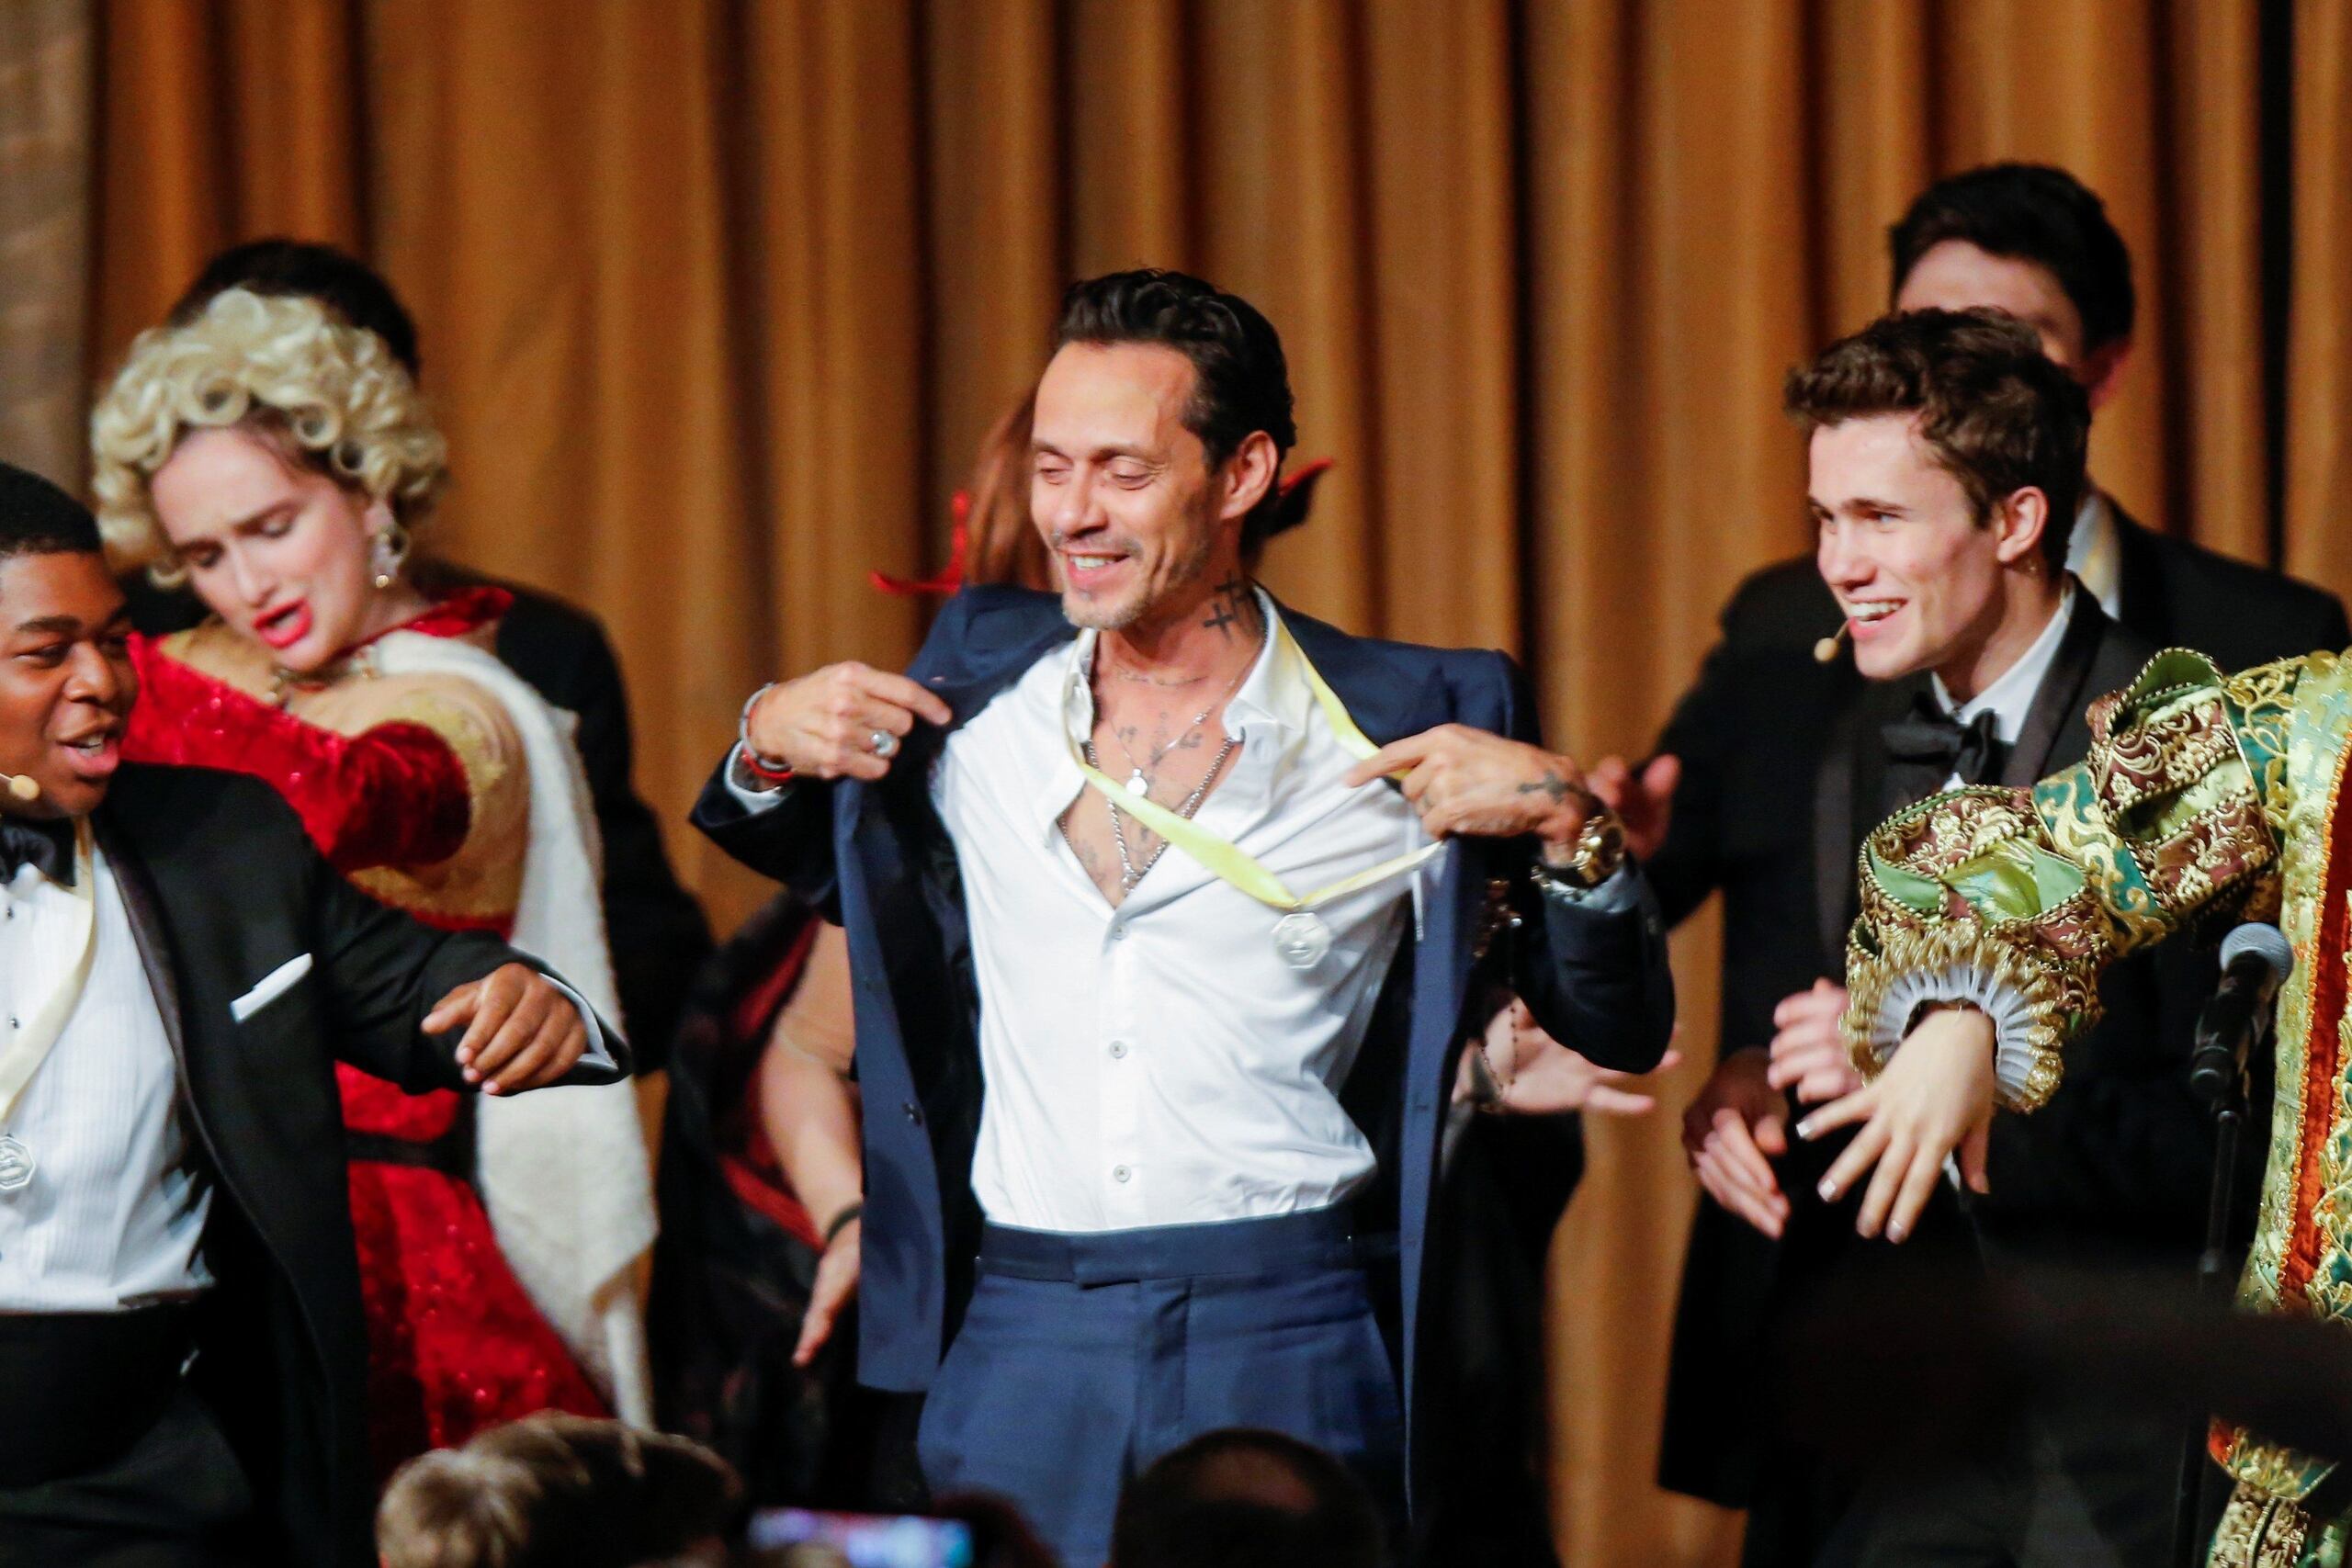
[275, 984]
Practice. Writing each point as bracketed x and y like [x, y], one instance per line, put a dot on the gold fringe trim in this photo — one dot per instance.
[2008, 965]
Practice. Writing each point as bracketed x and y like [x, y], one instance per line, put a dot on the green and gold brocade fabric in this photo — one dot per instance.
[2204, 800]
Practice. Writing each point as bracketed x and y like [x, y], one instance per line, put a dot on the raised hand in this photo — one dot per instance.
[1732, 1132]
[1934, 1098]
[844, 721]
[1643, 802]
[522, 1031]
[1809, 1052]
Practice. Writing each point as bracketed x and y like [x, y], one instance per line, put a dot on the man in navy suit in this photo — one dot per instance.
[1167, 909]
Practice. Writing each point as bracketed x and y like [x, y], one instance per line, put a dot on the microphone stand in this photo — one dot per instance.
[2212, 1285]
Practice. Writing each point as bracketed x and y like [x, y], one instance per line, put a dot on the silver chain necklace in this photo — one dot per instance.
[1129, 873]
[1140, 774]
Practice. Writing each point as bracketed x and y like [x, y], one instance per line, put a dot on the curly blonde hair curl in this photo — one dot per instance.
[324, 394]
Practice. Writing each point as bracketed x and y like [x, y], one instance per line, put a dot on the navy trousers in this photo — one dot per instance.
[1083, 1357]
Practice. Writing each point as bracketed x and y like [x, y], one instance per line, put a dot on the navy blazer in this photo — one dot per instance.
[877, 858]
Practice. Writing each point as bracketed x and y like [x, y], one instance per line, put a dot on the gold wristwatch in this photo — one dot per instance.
[1600, 851]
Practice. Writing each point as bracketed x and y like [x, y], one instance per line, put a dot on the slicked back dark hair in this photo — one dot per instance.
[1213, 1503]
[38, 519]
[2028, 212]
[1241, 381]
[343, 283]
[1996, 412]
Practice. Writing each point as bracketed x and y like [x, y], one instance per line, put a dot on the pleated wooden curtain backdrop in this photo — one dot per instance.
[718, 297]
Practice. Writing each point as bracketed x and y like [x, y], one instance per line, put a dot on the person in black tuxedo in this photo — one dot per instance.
[182, 1365]
[659, 937]
[2032, 241]
[1975, 656]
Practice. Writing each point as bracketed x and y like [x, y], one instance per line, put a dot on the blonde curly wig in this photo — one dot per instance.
[325, 394]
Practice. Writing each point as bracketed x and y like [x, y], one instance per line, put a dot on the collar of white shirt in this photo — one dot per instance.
[2010, 698]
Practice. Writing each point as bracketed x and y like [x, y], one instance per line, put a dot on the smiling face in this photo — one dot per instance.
[1140, 524]
[66, 683]
[1924, 584]
[279, 551]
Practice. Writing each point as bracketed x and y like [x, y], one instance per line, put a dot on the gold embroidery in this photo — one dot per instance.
[2056, 1005]
[2162, 753]
[2260, 1531]
[2203, 798]
[2213, 851]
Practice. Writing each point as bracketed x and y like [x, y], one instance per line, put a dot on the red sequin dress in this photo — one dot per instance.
[414, 788]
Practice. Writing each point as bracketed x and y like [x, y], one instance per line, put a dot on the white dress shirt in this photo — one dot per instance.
[2009, 698]
[1159, 1063]
[114, 1215]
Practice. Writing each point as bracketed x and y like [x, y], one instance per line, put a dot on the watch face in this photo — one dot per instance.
[1601, 847]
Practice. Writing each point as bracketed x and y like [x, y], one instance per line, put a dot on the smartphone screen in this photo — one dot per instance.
[869, 1541]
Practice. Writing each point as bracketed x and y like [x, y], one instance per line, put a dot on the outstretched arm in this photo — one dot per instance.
[428, 1009]
[808, 1108]
[1591, 962]
[1988, 914]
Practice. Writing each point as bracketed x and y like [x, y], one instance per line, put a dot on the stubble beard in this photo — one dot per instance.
[1141, 605]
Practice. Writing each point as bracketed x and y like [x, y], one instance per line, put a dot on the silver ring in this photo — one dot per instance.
[882, 743]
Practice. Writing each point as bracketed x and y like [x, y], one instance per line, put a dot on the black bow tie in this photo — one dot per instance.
[1931, 739]
[44, 842]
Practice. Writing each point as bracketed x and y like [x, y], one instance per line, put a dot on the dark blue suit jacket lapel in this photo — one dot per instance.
[901, 903]
[1394, 692]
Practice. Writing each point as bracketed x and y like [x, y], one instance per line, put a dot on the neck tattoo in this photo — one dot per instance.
[1141, 774]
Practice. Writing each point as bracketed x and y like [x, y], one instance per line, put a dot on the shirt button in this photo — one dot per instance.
[1118, 1050]
[1120, 1173]
[1117, 930]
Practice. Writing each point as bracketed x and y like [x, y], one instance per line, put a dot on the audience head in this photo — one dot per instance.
[554, 1491]
[2030, 240]
[355, 292]
[1946, 462]
[1244, 1498]
[1159, 426]
[275, 460]
[66, 683]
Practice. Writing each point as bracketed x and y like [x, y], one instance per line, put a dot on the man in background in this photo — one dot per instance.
[2034, 241]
